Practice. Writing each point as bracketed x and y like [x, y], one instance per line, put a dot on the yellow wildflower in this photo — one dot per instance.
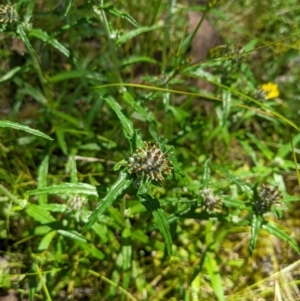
[269, 90]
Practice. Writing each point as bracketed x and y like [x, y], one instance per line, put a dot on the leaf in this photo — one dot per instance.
[109, 8]
[241, 184]
[82, 242]
[127, 97]
[46, 241]
[68, 7]
[18, 126]
[126, 123]
[133, 33]
[274, 230]
[34, 93]
[39, 214]
[9, 74]
[262, 146]
[117, 189]
[152, 204]
[66, 75]
[211, 266]
[42, 179]
[256, 223]
[42, 35]
[66, 188]
[126, 249]
[206, 173]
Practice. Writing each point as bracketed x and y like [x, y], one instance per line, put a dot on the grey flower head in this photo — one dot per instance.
[210, 202]
[151, 162]
[267, 197]
[8, 14]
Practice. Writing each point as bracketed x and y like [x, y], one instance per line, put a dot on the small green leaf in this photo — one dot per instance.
[206, 173]
[18, 126]
[39, 214]
[42, 179]
[152, 204]
[46, 241]
[9, 74]
[275, 230]
[133, 33]
[241, 184]
[126, 123]
[126, 249]
[256, 223]
[109, 8]
[42, 35]
[127, 97]
[117, 189]
[66, 75]
[66, 188]
[212, 269]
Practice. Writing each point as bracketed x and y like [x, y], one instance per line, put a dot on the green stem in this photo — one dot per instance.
[9, 194]
[112, 283]
[111, 44]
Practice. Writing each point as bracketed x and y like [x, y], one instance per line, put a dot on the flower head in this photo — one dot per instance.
[151, 162]
[269, 91]
[210, 202]
[267, 197]
[8, 14]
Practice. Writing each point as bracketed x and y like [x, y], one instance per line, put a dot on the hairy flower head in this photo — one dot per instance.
[267, 197]
[151, 162]
[210, 202]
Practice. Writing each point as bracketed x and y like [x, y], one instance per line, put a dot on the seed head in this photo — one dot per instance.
[151, 162]
[210, 202]
[8, 14]
[267, 197]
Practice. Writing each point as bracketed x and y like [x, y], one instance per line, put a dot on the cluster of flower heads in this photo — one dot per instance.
[8, 14]
[151, 162]
[267, 197]
[210, 202]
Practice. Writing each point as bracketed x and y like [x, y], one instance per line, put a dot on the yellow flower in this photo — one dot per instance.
[269, 90]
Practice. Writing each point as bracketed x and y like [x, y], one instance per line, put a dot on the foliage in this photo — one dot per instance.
[131, 171]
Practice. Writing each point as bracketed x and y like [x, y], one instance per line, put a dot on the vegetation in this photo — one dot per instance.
[134, 169]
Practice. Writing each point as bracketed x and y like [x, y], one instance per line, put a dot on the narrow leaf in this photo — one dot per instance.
[18, 126]
[126, 123]
[117, 189]
[42, 35]
[152, 204]
[274, 230]
[66, 188]
[256, 223]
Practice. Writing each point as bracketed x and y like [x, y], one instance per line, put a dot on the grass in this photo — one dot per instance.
[130, 169]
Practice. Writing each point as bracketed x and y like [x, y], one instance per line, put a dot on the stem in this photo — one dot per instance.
[112, 283]
[112, 47]
[9, 194]
[166, 37]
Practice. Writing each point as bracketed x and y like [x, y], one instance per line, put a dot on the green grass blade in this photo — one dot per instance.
[25, 128]
[117, 189]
